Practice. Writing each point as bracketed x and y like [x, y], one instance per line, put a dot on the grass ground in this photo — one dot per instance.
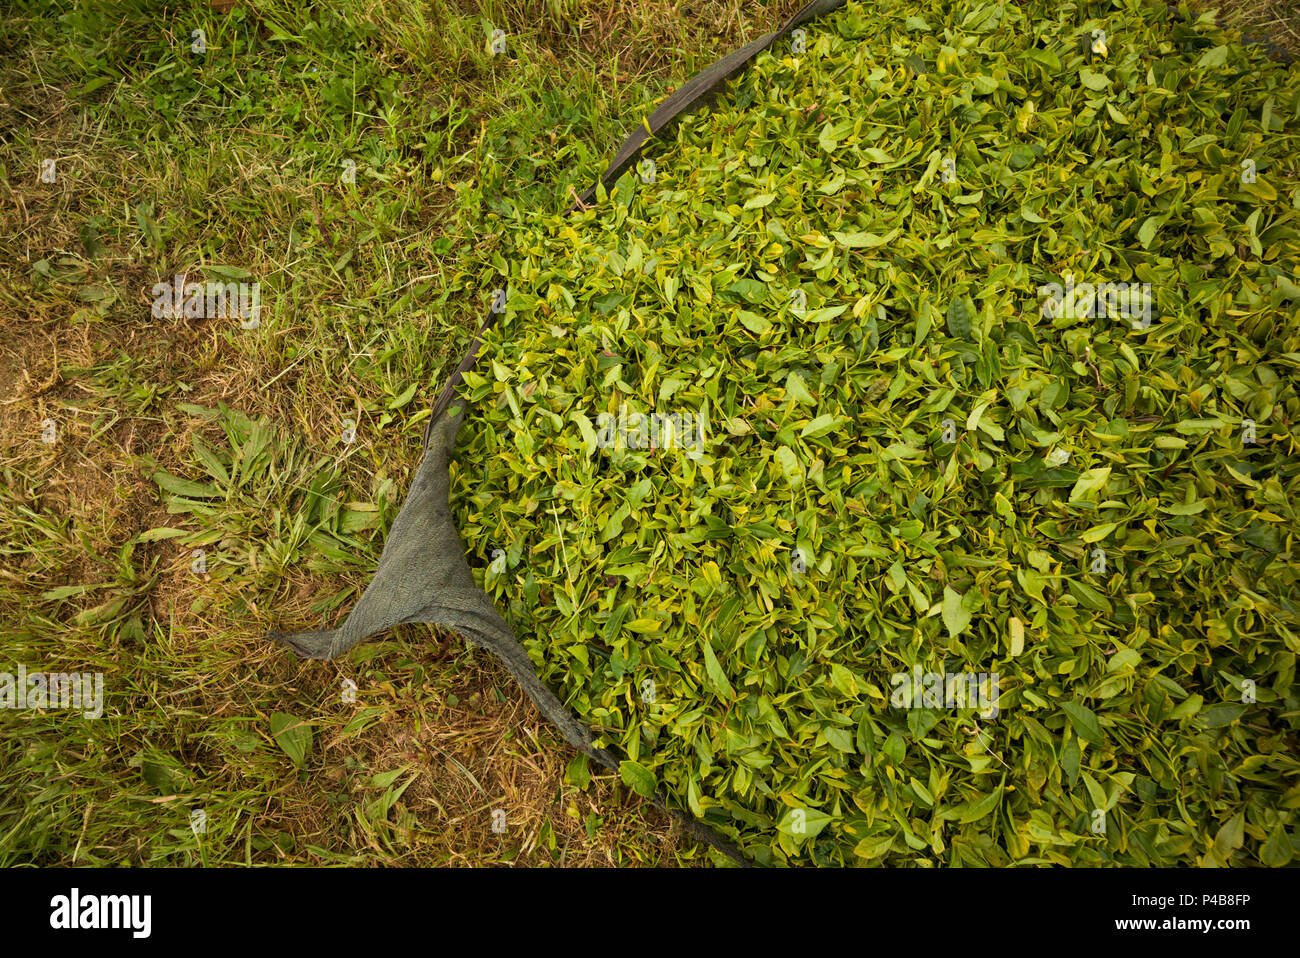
[228, 164]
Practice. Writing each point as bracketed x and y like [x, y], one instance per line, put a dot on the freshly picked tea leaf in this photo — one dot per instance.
[907, 472]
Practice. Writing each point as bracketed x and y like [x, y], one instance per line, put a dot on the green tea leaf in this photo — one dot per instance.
[1085, 722]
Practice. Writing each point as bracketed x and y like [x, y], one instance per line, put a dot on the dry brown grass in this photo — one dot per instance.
[1277, 21]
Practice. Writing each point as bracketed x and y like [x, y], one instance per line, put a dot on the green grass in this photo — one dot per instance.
[224, 165]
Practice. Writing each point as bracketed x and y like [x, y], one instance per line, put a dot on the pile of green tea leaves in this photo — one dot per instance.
[913, 464]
